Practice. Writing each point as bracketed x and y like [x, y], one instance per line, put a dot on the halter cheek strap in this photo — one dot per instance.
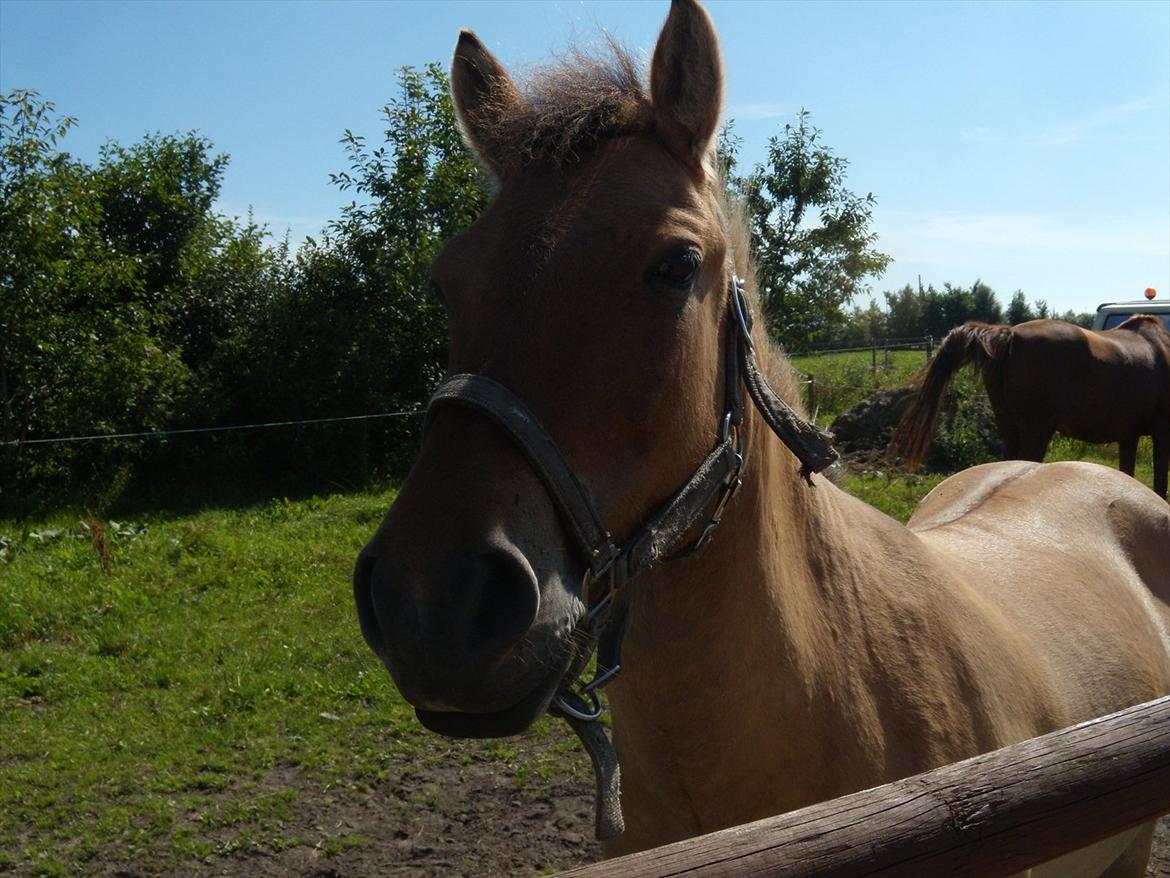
[720, 469]
[610, 567]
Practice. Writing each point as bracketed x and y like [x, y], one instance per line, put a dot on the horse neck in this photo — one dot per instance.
[746, 597]
[731, 653]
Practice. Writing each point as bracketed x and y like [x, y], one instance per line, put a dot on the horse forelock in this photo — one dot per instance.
[568, 108]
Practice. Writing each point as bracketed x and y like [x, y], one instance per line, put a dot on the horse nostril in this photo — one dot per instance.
[502, 603]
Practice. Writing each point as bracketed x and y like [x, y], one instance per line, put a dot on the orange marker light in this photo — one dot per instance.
[1151, 292]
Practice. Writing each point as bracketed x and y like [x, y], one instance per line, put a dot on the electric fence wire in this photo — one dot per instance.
[160, 434]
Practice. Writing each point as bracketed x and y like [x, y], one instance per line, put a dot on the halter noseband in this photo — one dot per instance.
[610, 567]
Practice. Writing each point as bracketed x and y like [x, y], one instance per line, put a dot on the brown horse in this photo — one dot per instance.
[813, 646]
[1045, 376]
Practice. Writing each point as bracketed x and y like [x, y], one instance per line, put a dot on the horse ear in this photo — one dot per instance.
[686, 82]
[483, 94]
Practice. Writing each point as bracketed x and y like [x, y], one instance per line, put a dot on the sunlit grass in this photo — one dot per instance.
[197, 688]
[841, 381]
[179, 706]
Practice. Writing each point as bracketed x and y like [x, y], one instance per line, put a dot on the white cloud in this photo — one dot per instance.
[767, 110]
[1072, 261]
[1095, 122]
[941, 232]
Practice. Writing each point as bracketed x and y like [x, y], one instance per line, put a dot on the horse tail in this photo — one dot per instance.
[981, 344]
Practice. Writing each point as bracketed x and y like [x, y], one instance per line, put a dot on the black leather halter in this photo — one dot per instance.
[611, 567]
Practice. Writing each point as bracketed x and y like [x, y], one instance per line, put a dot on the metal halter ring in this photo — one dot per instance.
[741, 306]
[588, 706]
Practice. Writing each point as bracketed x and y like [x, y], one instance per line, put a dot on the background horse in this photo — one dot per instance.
[1045, 376]
[814, 646]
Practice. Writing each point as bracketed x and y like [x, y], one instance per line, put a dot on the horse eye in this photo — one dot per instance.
[679, 269]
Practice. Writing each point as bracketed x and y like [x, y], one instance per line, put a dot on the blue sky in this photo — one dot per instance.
[1026, 144]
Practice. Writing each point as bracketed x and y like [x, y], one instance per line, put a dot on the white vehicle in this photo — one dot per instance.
[1113, 314]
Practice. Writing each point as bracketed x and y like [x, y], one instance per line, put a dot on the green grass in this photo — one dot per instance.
[176, 707]
[179, 706]
[897, 494]
[841, 381]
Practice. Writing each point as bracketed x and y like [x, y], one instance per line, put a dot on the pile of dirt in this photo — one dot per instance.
[451, 810]
[966, 433]
[454, 813]
[866, 428]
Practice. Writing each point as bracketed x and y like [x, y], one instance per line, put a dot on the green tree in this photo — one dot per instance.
[985, 304]
[811, 236]
[356, 329]
[91, 276]
[958, 305]
[229, 278]
[904, 310]
[81, 351]
[156, 195]
[1080, 318]
[39, 188]
[1019, 311]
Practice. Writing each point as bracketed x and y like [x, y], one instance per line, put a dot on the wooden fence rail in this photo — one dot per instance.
[995, 814]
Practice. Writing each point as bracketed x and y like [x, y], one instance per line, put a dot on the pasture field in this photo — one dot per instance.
[190, 695]
[203, 694]
[841, 381]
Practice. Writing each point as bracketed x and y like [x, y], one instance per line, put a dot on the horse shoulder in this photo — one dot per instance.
[962, 679]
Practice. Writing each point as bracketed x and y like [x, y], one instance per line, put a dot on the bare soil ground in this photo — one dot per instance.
[454, 813]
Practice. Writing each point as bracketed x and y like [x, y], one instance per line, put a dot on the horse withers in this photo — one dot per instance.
[1048, 376]
[596, 429]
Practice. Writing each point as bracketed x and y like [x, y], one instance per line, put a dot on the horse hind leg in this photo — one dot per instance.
[1033, 443]
[1161, 463]
[1127, 454]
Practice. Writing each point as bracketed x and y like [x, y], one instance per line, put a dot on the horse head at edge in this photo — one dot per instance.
[594, 288]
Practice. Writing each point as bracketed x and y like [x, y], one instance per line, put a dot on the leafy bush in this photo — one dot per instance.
[967, 433]
[129, 305]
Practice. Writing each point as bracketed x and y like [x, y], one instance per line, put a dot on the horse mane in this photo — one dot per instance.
[1141, 321]
[569, 107]
[775, 364]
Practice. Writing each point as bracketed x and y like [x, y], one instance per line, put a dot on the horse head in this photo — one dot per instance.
[594, 288]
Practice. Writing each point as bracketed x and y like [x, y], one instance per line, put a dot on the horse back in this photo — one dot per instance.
[1096, 386]
[1089, 553]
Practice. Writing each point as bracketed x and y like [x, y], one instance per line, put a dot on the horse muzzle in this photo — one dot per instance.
[465, 642]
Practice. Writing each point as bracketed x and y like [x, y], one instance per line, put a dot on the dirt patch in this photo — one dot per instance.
[1160, 861]
[452, 812]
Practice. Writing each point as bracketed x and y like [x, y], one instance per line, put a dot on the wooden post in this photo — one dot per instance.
[992, 815]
